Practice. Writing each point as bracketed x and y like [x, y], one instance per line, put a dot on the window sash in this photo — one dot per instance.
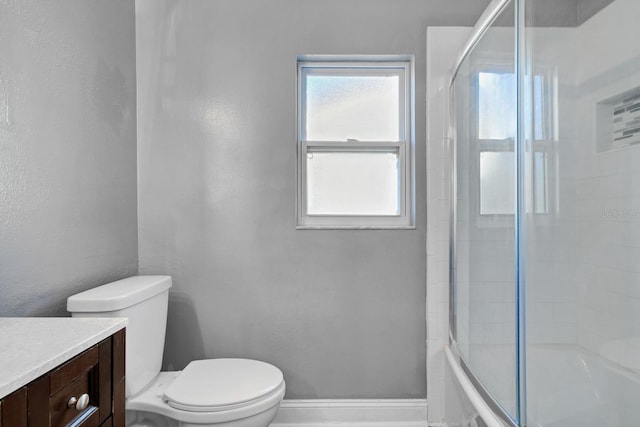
[304, 218]
[402, 220]
[363, 69]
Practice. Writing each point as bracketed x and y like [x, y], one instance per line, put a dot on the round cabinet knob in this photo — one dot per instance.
[80, 404]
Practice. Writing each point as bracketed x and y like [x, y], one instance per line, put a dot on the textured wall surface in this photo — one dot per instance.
[342, 312]
[67, 150]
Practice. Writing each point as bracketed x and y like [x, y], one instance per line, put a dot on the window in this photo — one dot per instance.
[355, 167]
[496, 130]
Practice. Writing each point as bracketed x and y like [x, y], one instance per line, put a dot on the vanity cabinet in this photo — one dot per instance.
[88, 390]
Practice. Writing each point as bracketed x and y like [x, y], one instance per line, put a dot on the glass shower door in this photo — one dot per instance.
[582, 133]
[484, 298]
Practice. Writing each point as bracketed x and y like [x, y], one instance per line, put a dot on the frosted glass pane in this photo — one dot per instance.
[348, 183]
[496, 105]
[365, 108]
[497, 183]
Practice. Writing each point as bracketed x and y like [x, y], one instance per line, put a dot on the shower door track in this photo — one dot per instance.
[480, 388]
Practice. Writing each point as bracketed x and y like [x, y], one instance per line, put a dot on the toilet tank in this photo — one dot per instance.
[144, 301]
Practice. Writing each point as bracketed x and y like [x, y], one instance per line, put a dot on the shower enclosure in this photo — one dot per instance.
[545, 213]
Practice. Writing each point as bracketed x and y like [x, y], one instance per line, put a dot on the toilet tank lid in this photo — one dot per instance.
[118, 295]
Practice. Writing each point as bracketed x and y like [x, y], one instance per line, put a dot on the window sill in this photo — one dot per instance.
[353, 227]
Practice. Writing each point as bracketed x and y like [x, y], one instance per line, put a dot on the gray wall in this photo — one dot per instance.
[67, 150]
[554, 13]
[588, 8]
[341, 312]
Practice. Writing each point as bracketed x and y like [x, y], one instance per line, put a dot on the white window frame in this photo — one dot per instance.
[404, 147]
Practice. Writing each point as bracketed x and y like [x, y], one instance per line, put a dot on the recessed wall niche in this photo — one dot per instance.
[618, 121]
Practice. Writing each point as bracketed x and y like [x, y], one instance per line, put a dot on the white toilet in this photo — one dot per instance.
[212, 392]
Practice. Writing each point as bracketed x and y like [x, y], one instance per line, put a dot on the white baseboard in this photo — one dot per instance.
[352, 413]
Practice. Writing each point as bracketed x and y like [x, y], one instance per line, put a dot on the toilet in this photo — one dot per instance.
[211, 392]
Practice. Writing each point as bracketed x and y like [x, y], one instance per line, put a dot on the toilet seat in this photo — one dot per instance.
[152, 400]
[214, 385]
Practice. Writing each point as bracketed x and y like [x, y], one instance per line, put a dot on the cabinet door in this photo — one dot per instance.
[13, 409]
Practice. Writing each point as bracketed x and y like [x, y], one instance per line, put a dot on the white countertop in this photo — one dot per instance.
[32, 346]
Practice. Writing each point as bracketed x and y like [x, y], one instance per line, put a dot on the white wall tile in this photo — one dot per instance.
[443, 43]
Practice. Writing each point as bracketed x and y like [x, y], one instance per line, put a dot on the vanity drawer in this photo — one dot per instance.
[73, 369]
[59, 409]
[74, 381]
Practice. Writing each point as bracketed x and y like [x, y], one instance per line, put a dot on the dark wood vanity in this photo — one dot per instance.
[87, 390]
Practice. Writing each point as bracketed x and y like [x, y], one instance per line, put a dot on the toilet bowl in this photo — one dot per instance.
[211, 392]
[230, 410]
